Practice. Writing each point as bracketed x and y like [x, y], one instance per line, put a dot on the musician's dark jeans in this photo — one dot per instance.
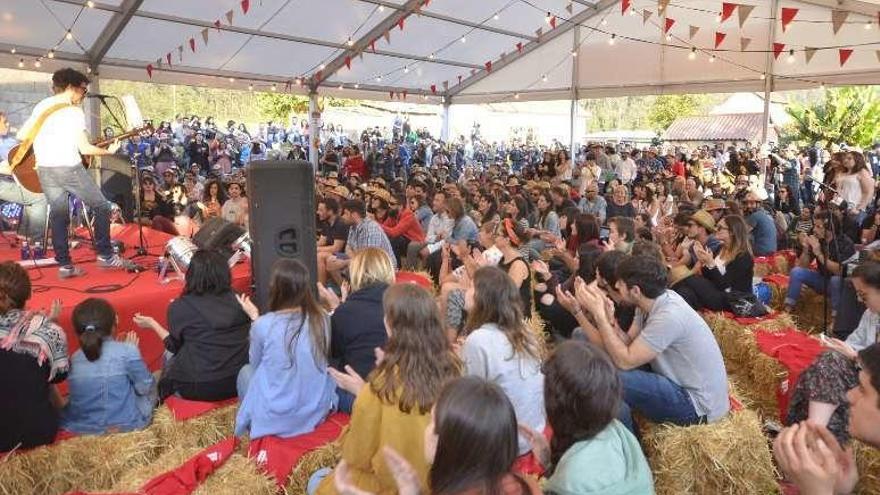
[33, 221]
[59, 183]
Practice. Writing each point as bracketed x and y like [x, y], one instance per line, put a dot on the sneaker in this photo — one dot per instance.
[70, 271]
[115, 261]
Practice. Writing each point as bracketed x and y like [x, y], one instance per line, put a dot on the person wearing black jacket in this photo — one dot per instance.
[730, 271]
[357, 325]
[207, 334]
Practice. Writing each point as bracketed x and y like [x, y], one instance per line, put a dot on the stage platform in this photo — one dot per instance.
[129, 293]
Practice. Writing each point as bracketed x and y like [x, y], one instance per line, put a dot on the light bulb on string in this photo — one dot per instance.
[232, 80]
[406, 69]
[516, 96]
[38, 63]
[718, 18]
[90, 4]
[378, 79]
[51, 54]
[544, 77]
[274, 87]
[350, 42]
[790, 58]
[431, 56]
[547, 17]
[21, 63]
[340, 87]
[668, 37]
[69, 35]
[496, 16]
[604, 22]
[869, 25]
[574, 53]
[464, 39]
[357, 86]
[763, 76]
[381, 8]
[611, 40]
[323, 66]
[821, 85]
[12, 50]
[712, 59]
[250, 87]
[693, 54]
[88, 70]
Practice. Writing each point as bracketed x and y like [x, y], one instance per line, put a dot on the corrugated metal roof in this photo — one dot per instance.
[731, 127]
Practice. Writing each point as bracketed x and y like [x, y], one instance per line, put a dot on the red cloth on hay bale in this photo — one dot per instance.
[183, 409]
[414, 278]
[795, 350]
[278, 455]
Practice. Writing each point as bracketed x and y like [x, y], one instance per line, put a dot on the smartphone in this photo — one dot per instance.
[604, 233]
[341, 256]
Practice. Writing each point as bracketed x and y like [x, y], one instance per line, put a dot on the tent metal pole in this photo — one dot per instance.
[575, 67]
[94, 108]
[314, 128]
[444, 125]
[768, 73]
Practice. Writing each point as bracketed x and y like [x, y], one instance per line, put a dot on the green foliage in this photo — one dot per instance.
[280, 106]
[844, 115]
[666, 108]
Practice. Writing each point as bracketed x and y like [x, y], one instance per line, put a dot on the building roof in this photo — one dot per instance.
[730, 127]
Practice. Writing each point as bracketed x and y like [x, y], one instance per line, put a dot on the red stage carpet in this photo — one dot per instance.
[129, 293]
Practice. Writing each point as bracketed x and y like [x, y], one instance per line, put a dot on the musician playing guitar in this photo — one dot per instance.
[57, 128]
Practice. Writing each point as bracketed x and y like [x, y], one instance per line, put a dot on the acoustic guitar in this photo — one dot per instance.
[24, 169]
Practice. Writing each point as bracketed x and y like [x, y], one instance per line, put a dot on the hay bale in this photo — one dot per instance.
[731, 456]
[327, 456]
[85, 463]
[868, 462]
[238, 475]
[202, 431]
[781, 264]
[809, 310]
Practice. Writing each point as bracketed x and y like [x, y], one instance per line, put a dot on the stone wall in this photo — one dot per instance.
[19, 91]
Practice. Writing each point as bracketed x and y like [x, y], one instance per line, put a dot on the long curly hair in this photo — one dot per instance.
[419, 360]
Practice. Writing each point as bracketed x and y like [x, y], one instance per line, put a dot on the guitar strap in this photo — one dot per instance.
[28, 141]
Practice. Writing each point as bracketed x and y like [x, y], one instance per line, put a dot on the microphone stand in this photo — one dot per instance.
[826, 278]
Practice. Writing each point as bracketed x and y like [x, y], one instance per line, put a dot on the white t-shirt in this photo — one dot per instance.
[57, 143]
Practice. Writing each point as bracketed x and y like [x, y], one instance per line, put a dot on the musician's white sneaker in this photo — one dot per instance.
[115, 261]
[70, 271]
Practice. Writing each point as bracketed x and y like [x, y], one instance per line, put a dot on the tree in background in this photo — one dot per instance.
[844, 115]
[280, 106]
[666, 108]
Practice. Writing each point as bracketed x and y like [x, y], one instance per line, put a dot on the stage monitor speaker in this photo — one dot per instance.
[219, 235]
[113, 175]
[281, 201]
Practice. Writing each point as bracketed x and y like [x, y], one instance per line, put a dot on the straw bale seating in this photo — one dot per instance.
[82, 463]
[199, 432]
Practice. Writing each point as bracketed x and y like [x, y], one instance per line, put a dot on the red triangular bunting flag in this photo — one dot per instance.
[373, 45]
[434, 88]
[180, 52]
[553, 22]
[459, 77]
[788, 15]
[168, 57]
[400, 23]
[426, 3]
[387, 36]
[719, 38]
[727, 9]
[844, 54]
[205, 35]
[391, 94]
[489, 66]
[809, 52]
[519, 47]
[229, 15]
[744, 43]
[838, 18]
[217, 25]
[744, 12]
[569, 8]
[624, 6]
[192, 44]
[693, 31]
[646, 14]
[669, 23]
[777, 49]
[348, 62]
[245, 5]
[159, 62]
[404, 94]
[150, 71]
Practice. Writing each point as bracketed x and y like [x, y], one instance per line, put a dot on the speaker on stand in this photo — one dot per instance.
[112, 173]
[281, 203]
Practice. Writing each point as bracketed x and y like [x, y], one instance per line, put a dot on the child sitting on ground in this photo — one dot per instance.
[111, 389]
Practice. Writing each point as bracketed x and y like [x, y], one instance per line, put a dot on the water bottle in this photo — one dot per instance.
[38, 251]
[25, 250]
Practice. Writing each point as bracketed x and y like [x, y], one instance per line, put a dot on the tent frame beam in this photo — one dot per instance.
[112, 30]
[852, 6]
[498, 65]
[264, 34]
[768, 75]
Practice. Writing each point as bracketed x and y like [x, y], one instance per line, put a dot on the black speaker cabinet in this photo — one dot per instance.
[113, 174]
[218, 234]
[281, 201]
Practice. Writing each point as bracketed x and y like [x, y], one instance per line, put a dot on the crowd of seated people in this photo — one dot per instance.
[616, 250]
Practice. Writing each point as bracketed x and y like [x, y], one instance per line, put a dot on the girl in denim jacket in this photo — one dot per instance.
[111, 389]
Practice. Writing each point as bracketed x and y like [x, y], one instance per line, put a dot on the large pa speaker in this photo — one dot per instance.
[281, 201]
[113, 175]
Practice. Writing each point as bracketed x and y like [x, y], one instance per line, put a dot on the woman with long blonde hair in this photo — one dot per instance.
[356, 325]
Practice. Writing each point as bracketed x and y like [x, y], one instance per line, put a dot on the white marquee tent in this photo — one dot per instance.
[440, 50]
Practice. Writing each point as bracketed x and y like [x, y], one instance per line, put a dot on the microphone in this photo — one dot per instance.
[99, 96]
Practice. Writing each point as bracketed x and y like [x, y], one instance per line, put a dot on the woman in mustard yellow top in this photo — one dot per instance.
[394, 406]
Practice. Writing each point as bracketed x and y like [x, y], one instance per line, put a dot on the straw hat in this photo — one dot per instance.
[341, 191]
[704, 218]
[713, 204]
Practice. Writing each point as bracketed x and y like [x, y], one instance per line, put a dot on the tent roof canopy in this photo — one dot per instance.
[442, 48]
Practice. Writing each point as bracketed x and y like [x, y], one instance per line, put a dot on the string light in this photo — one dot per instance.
[822, 85]
[21, 63]
[90, 4]
[693, 54]
[250, 87]
[604, 22]
[516, 96]
[712, 58]
[88, 70]
[869, 25]
[763, 76]
[611, 41]
[350, 41]
[668, 37]
[718, 18]
[544, 77]
[323, 66]
[231, 79]
[381, 8]
[463, 39]
[274, 87]
[69, 35]
[51, 54]
[37, 63]
[431, 56]
[357, 86]
[496, 16]
[378, 79]
[547, 18]
[12, 50]
[406, 69]
[340, 87]
[574, 53]
[790, 58]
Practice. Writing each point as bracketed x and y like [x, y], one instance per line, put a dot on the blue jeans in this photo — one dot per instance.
[814, 280]
[244, 380]
[33, 220]
[345, 400]
[316, 478]
[59, 183]
[657, 398]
